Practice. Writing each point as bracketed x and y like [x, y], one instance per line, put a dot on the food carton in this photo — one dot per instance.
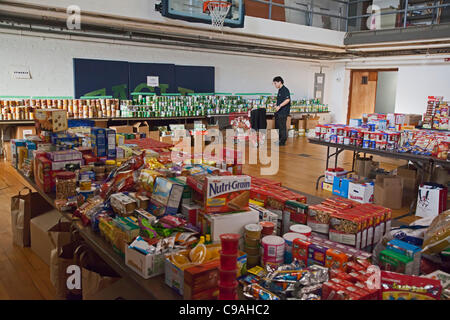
[54, 120]
[168, 194]
[226, 193]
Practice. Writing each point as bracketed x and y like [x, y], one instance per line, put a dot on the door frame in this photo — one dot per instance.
[351, 85]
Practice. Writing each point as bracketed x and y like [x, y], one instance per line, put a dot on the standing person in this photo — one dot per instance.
[282, 109]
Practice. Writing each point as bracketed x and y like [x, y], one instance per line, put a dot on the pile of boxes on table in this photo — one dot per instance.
[437, 114]
[387, 132]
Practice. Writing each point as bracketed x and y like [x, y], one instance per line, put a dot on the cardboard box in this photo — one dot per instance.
[101, 123]
[410, 183]
[122, 129]
[40, 226]
[22, 131]
[388, 191]
[147, 266]
[42, 173]
[218, 224]
[167, 139]
[340, 186]
[270, 124]
[142, 127]
[312, 123]
[154, 135]
[361, 192]
[51, 120]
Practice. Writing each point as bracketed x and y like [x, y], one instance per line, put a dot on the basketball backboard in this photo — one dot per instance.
[193, 11]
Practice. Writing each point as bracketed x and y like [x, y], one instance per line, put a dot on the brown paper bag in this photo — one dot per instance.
[96, 275]
[24, 207]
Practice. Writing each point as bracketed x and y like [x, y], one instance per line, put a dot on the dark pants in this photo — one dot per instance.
[280, 124]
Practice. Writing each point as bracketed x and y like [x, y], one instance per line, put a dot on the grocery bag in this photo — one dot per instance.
[24, 206]
[61, 257]
[96, 275]
[431, 200]
[60, 234]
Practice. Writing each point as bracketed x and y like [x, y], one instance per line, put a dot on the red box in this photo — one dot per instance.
[396, 286]
[300, 249]
[42, 173]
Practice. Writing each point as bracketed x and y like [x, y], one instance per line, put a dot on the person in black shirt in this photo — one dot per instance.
[283, 109]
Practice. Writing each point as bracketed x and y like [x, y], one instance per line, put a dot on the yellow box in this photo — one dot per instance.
[327, 186]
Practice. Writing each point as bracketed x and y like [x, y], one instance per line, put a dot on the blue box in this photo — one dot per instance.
[31, 146]
[111, 144]
[340, 186]
[98, 141]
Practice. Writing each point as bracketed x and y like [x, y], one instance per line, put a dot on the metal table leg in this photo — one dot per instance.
[326, 168]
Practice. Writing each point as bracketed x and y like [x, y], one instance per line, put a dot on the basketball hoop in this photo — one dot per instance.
[218, 10]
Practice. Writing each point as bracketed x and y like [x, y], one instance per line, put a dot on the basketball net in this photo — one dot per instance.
[218, 10]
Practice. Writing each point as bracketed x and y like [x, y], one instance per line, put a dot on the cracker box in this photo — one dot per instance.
[168, 194]
[226, 193]
[51, 120]
[395, 286]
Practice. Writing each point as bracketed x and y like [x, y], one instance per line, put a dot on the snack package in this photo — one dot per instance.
[226, 193]
[437, 236]
[395, 286]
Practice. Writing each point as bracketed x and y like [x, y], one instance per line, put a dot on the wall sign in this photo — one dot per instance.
[152, 81]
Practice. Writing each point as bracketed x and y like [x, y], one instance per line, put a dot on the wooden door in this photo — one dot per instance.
[363, 92]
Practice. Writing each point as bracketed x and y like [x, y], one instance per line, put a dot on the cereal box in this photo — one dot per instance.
[226, 193]
[318, 218]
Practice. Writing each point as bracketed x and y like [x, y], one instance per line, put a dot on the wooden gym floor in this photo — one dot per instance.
[23, 275]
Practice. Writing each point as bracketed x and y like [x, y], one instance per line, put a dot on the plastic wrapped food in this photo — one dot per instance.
[437, 237]
[256, 292]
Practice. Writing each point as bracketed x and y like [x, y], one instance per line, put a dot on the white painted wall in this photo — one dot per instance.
[51, 66]
[386, 91]
[416, 83]
[144, 9]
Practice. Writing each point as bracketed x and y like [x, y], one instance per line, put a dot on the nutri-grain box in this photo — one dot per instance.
[226, 193]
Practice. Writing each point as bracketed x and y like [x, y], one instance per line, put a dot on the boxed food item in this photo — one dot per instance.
[42, 173]
[318, 218]
[341, 186]
[98, 141]
[300, 250]
[396, 262]
[395, 286]
[110, 143]
[346, 229]
[226, 193]
[334, 172]
[146, 265]
[190, 211]
[51, 120]
[296, 212]
[336, 259]
[201, 278]
[168, 194]
[408, 250]
[122, 204]
[187, 191]
[218, 224]
[317, 254]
